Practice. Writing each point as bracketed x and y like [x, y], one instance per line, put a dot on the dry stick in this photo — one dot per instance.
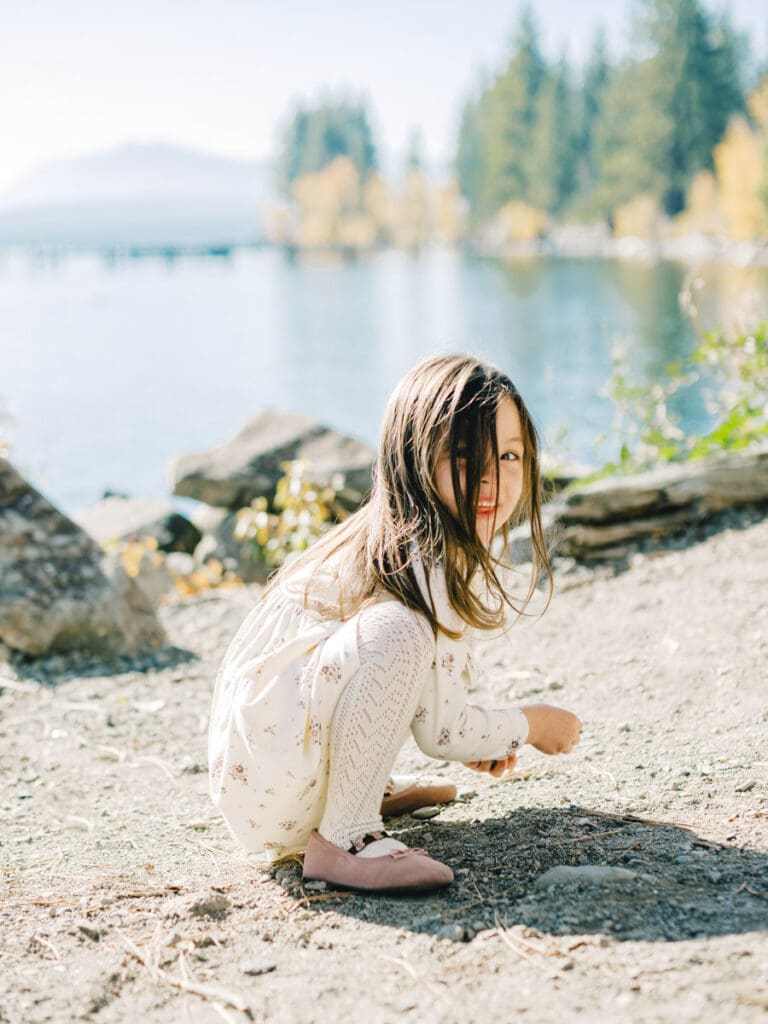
[210, 854]
[193, 988]
[325, 896]
[420, 979]
[478, 903]
[157, 763]
[49, 945]
[507, 939]
[524, 942]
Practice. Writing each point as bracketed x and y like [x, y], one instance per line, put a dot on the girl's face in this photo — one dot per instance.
[493, 510]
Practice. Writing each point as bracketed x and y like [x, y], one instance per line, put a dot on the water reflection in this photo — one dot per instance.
[111, 368]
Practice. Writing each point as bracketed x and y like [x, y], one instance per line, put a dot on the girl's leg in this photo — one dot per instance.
[372, 718]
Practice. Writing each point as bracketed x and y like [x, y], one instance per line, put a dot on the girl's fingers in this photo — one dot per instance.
[495, 768]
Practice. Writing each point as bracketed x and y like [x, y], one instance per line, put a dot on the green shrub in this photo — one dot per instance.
[732, 370]
[301, 512]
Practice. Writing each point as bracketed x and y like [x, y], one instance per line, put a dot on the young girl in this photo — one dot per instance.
[367, 636]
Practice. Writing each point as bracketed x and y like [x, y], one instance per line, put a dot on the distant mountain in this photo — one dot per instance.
[156, 195]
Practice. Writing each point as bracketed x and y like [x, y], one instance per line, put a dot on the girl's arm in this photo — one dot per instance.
[446, 727]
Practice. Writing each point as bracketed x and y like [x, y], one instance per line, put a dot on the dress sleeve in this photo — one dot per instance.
[445, 726]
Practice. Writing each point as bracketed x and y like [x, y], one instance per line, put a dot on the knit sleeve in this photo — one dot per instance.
[446, 726]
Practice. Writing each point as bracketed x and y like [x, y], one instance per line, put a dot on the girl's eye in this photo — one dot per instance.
[509, 457]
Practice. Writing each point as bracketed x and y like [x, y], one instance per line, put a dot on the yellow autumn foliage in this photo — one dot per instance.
[740, 165]
[703, 210]
[757, 103]
[521, 222]
[638, 218]
[330, 207]
[451, 212]
[413, 216]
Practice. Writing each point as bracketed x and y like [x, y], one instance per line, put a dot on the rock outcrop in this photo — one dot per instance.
[249, 465]
[116, 518]
[58, 591]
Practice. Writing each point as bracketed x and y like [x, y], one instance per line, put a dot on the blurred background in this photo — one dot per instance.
[210, 208]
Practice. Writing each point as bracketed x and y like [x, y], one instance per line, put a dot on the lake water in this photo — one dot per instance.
[108, 369]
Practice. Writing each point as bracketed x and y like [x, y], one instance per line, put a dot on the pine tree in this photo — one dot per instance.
[595, 80]
[551, 163]
[316, 136]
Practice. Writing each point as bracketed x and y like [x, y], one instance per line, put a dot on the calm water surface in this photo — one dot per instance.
[107, 370]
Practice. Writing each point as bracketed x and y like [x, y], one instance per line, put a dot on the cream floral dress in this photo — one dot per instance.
[275, 697]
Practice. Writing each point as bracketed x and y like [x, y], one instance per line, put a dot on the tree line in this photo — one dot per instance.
[679, 123]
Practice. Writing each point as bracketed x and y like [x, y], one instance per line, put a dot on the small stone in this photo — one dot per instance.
[625, 727]
[254, 968]
[425, 813]
[746, 786]
[714, 876]
[316, 886]
[451, 933]
[215, 905]
[683, 858]
[595, 874]
[89, 931]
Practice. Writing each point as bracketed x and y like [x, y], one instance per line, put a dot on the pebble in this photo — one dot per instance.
[745, 787]
[215, 905]
[425, 813]
[568, 874]
[451, 933]
[714, 876]
[89, 931]
[256, 967]
[316, 886]
[683, 858]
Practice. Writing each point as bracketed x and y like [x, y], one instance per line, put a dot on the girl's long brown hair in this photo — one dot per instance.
[446, 405]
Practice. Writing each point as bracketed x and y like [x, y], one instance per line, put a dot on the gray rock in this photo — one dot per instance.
[216, 905]
[116, 518]
[451, 933]
[58, 591]
[425, 813]
[315, 886]
[254, 968]
[250, 464]
[593, 874]
[87, 929]
[219, 542]
[180, 564]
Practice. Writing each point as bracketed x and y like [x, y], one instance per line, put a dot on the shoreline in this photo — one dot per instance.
[582, 242]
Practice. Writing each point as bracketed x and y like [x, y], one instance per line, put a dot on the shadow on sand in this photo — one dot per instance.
[684, 886]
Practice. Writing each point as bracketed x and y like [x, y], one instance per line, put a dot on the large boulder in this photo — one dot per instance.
[58, 591]
[250, 464]
[116, 518]
[219, 543]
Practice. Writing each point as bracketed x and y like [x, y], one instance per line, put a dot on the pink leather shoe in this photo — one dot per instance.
[401, 871]
[412, 792]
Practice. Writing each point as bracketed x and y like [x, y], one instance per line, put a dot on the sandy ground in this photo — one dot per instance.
[124, 898]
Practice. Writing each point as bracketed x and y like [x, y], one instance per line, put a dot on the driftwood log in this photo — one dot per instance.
[607, 518]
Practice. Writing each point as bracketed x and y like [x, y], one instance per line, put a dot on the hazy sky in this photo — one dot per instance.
[85, 75]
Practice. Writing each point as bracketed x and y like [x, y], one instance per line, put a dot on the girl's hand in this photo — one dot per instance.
[494, 768]
[552, 730]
